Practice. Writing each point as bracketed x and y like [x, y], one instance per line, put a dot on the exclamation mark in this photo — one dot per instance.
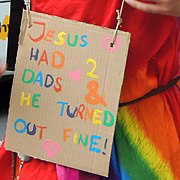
[105, 144]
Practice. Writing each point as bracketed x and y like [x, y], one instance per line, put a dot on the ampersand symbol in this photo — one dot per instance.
[92, 97]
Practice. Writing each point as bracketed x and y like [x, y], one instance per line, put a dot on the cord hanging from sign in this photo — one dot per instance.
[25, 22]
[119, 21]
[23, 159]
[27, 4]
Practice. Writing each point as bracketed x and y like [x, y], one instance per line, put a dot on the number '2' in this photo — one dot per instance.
[91, 73]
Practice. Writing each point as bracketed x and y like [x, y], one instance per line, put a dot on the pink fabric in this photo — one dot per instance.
[64, 173]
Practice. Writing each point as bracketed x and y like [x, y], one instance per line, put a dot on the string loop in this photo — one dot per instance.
[27, 4]
[119, 21]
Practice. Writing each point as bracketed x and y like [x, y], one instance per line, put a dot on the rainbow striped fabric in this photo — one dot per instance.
[146, 142]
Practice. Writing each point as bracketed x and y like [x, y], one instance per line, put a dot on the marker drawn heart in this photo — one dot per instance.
[75, 75]
[106, 41]
[50, 147]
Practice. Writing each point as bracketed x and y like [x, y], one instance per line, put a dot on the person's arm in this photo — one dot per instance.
[2, 69]
[163, 7]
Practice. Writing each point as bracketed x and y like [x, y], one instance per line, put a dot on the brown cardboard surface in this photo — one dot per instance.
[66, 92]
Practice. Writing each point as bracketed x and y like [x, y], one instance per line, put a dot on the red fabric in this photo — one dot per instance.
[151, 37]
[37, 169]
[32, 169]
[5, 164]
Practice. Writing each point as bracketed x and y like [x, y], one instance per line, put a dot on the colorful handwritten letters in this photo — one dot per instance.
[80, 112]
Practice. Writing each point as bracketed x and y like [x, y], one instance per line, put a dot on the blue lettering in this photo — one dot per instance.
[92, 143]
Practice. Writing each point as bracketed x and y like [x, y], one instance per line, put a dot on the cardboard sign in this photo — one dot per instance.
[66, 92]
[4, 29]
